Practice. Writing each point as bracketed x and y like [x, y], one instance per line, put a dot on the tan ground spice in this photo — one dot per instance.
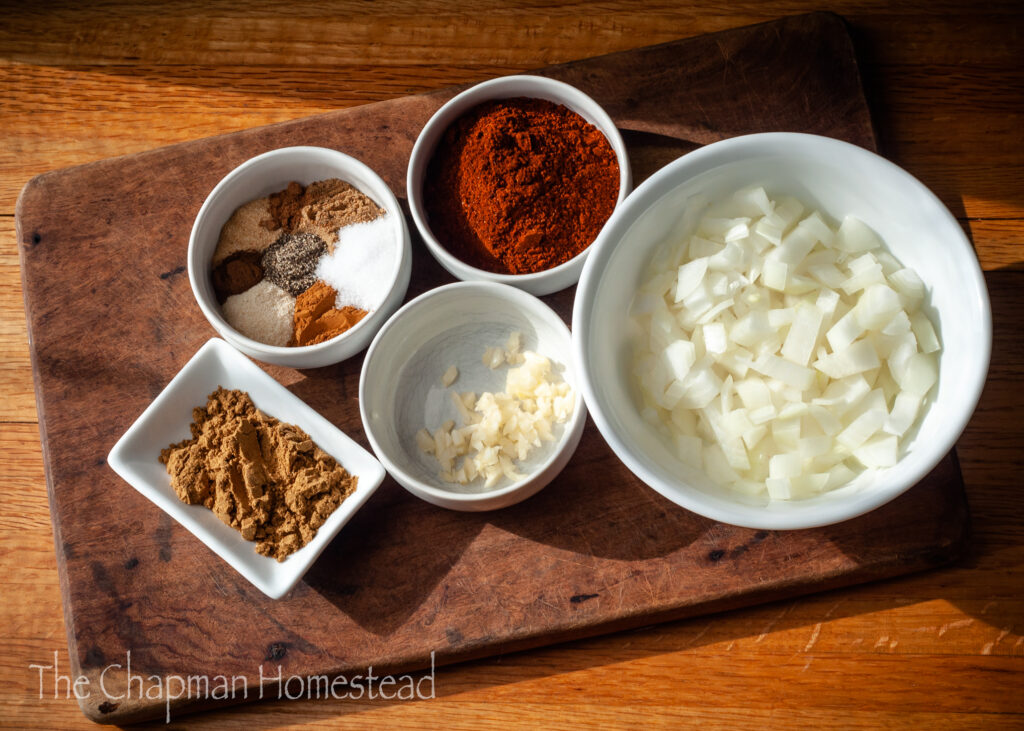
[316, 317]
[320, 208]
[265, 478]
[243, 231]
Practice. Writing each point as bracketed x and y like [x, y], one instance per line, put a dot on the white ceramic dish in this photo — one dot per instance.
[269, 173]
[167, 420]
[840, 179]
[538, 87]
[400, 389]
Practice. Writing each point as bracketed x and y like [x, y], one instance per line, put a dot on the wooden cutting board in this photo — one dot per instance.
[111, 319]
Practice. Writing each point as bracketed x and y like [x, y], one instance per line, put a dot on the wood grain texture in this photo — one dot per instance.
[597, 551]
[80, 88]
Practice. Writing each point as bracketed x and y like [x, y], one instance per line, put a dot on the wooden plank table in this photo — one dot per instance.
[946, 85]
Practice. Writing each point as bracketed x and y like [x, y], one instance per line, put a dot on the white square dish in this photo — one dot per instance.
[166, 421]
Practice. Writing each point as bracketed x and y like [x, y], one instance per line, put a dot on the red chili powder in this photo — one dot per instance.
[520, 185]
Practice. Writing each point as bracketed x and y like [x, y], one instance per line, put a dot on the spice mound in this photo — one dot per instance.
[316, 318]
[305, 264]
[518, 186]
[291, 261]
[264, 478]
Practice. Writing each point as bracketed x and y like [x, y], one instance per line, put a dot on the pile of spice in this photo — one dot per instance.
[264, 478]
[520, 185]
[305, 264]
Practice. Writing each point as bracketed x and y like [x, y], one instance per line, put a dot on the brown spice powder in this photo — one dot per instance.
[237, 273]
[320, 208]
[316, 317]
[265, 478]
[243, 231]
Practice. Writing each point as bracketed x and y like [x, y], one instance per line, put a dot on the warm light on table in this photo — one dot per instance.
[946, 87]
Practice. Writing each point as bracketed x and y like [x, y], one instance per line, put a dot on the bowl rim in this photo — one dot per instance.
[492, 289]
[570, 97]
[671, 177]
[343, 160]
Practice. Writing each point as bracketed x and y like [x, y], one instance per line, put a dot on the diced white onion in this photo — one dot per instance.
[774, 274]
[691, 274]
[780, 355]
[855, 236]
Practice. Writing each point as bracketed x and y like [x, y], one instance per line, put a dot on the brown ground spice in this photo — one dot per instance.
[320, 208]
[243, 231]
[316, 317]
[237, 273]
[265, 478]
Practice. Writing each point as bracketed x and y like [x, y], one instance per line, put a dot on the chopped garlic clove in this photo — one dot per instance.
[449, 376]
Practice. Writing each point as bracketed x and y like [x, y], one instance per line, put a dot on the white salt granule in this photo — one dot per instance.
[264, 312]
[362, 266]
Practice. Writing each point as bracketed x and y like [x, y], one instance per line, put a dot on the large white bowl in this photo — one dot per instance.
[506, 87]
[269, 173]
[840, 179]
[400, 389]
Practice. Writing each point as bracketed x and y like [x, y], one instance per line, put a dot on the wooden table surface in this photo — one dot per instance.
[946, 84]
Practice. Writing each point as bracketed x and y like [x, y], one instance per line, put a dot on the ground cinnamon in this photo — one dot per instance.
[265, 478]
[316, 317]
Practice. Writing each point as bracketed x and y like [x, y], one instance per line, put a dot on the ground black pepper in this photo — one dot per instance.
[290, 262]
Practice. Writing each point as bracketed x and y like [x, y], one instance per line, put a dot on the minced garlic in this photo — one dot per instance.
[501, 429]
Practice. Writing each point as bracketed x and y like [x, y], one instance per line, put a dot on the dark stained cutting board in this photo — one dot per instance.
[111, 320]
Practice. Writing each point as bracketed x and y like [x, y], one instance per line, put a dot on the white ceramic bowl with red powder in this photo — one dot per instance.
[269, 173]
[508, 87]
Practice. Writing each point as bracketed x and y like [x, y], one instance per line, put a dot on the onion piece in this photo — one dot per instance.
[689, 277]
[779, 354]
[855, 236]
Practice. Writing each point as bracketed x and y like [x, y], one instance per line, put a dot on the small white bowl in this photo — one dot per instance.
[839, 179]
[166, 421]
[506, 87]
[400, 389]
[268, 173]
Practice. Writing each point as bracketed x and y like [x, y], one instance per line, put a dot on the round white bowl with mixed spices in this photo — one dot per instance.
[574, 202]
[840, 180]
[271, 173]
[433, 350]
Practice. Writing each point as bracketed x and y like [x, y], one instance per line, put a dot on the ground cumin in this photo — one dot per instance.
[265, 478]
[316, 317]
[320, 208]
